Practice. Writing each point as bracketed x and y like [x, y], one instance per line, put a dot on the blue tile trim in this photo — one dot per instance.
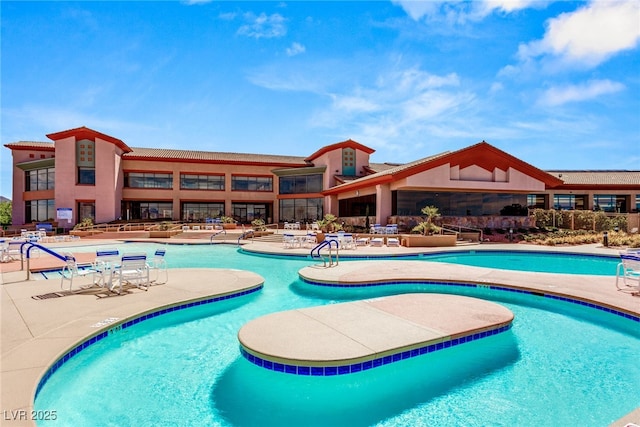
[117, 327]
[480, 286]
[332, 370]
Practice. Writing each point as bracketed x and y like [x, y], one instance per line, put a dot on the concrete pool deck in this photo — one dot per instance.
[35, 333]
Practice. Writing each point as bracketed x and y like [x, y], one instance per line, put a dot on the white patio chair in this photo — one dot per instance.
[13, 251]
[73, 269]
[133, 270]
[158, 264]
[629, 271]
[346, 241]
[105, 263]
[289, 241]
[310, 240]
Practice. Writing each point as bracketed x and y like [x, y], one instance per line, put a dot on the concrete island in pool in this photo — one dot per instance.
[350, 337]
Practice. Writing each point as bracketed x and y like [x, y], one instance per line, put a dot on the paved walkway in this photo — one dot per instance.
[34, 333]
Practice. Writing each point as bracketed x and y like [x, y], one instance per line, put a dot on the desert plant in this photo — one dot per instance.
[259, 224]
[85, 223]
[227, 219]
[329, 224]
[427, 226]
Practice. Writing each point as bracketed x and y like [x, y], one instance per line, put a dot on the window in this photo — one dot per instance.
[460, 204]
[348, 162]
[87, 176]
[201, 211]
[201, 182]
[610, 203]
[148, 210]
[40, 179]
[247, 212]
[86, 162]
[536, 201]
[251, 183]
[305, 210]
[300, 184]
[148, 180]
[569, 202]
[40, 210]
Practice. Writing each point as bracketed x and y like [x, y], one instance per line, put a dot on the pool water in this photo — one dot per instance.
[561, 364]
[561, 263]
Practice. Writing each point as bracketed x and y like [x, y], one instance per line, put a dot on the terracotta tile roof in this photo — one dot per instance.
[392, 168]
[31, 144]
[597, 177]
[166, 153]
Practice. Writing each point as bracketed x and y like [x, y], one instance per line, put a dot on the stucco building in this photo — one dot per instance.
[85, 173]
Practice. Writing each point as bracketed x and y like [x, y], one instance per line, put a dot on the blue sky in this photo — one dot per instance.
[556, 84]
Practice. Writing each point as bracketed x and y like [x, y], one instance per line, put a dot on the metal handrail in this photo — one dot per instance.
[244, 235]
[460, 227]
[28, 255]
[213, 236]
[322, 245]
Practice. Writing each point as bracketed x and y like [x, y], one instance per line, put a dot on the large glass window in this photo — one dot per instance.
[536, 201]
[610, 203]
[148, 180]
[461, 204]
[87, 176]
[194, 211]
[148, 210]
[638, 203]
[251, 183]
[569, 201]
[201, 182]
[247, 212]
[40, 210]
[86, 162]
[300, 184]
[40, 179]
[303, 210]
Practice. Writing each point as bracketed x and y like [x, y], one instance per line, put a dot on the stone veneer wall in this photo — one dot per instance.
[406, 223]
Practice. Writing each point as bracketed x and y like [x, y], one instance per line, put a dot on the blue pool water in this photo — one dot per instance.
[561, 364]
[555, 262]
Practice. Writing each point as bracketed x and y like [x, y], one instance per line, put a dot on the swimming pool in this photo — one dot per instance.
[560, 364]
[543, 262]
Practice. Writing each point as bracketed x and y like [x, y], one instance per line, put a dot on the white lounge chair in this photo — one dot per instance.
[73, 269]
[133, 270]
[362, 241]
[629, 271]
[377, 241]
[158, 264]
[393, 241]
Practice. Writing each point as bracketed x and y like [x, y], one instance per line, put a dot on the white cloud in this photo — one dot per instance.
[588, 36]
[263, 26]
[575, 93]
[419, 9]
[295, 49]
[196, 2]
[459, 12]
